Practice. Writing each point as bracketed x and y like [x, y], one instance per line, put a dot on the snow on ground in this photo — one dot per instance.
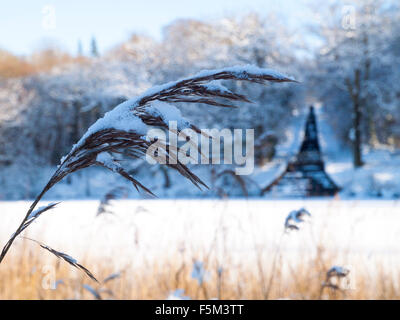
[149, 229]
[378, 178]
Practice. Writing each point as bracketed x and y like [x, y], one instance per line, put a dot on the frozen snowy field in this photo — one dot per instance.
[366, 229]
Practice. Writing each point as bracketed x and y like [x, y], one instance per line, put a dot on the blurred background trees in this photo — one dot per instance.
[357, 70]
[347, 61]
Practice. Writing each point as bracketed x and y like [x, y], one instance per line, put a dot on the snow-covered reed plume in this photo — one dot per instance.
[333, 277]
[61, 255]
[93, 291]
[177, 294]
[36, 214]
[199, 272]
[112, 276]
[294, 218]
[98, 292]
[114, 193]
[337, 271]
[123, 129]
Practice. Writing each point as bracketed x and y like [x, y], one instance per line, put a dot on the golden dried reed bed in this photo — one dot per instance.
[35, 275]
[149, 254]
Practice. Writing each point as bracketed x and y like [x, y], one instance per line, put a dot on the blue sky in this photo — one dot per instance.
[26, 24]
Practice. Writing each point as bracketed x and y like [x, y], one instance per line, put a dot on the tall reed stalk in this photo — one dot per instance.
[110, 135]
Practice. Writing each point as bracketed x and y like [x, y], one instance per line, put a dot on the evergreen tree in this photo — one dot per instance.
[80, 51]
[93, 48]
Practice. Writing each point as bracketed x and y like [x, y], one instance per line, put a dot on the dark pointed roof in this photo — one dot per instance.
[310, 142]
[310, 152]
[305, 175]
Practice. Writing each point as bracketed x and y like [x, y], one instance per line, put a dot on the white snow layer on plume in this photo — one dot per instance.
[241, 72]
[119, 118]
[216, 86]
[107, 160]
[69, 258]
[168, 112]
[34, 213]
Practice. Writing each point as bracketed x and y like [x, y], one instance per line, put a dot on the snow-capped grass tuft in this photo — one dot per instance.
[177, 294]
[61, 255]
[58, 282]
[333, 280]
[93, 291]
[112, 276]
[31, 217]
[337, 271]
[35, 214]
[294, 218]
[199, 273]
[114, 193]
[123, 129]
